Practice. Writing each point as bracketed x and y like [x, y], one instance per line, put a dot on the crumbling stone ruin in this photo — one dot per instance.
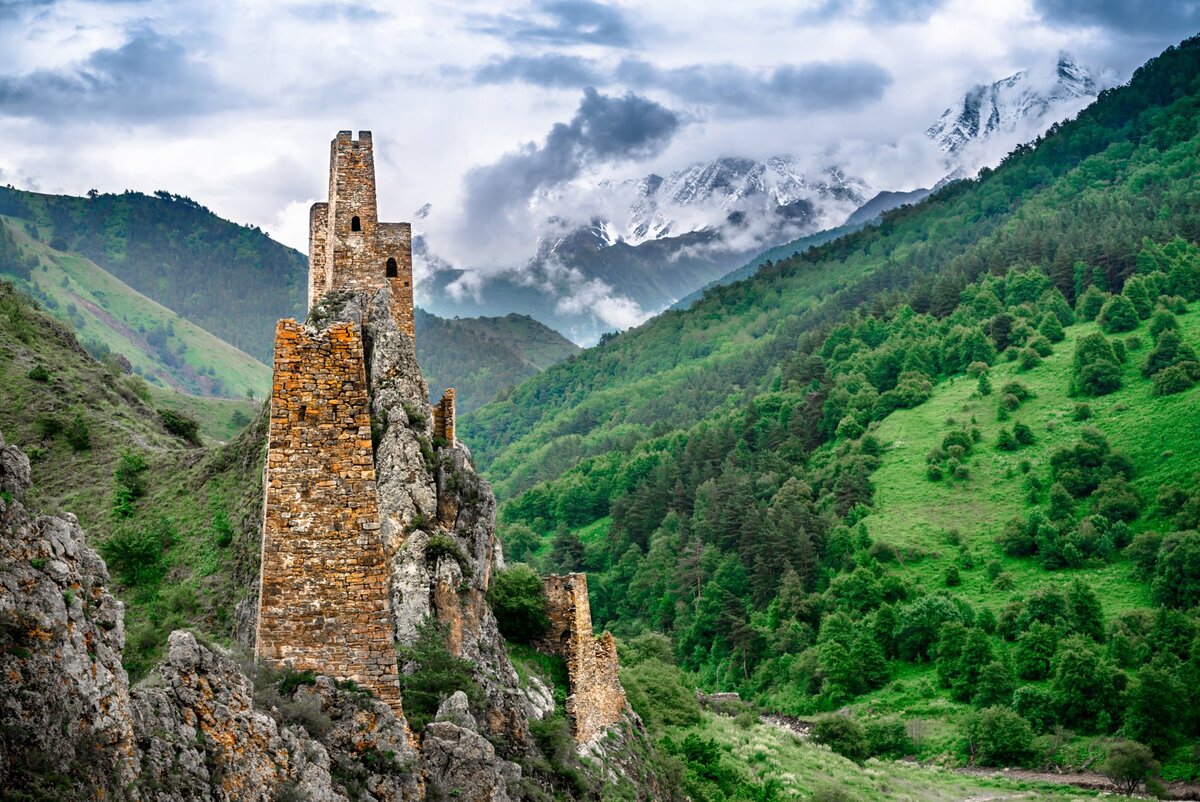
[443, 417]
[597, 700]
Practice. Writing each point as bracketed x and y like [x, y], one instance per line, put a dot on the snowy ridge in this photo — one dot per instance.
[1016, 105]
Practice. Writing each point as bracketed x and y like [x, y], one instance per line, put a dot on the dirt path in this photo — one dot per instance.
[1084, 780]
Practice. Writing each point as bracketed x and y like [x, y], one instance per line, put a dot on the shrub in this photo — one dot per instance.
[1051, 328]
[1118, 315]
[1177, 571]
[1089, 304]
[182, 426]
[77, 434]
[888, 738]
[1082, 412]
[1176, 378]
[844, 735]
[136, 554]
[48, 426]
[518, 599]
[1040, 345]
[661, 694]
[1035, 705]
[130, 482]
[431, 674]
[1128, 765]
[952, 577]
[439, 546]
[997, 736]
[1096, 368]
[1023, 434]
[39, 374]
[1029, 359]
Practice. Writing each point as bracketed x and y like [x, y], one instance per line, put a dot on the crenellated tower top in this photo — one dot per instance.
[348, 248]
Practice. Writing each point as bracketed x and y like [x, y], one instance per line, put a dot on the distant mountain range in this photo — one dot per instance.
[657, 239]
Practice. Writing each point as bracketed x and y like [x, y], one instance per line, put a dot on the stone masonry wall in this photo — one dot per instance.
[350, 258]
[596, 700]
[443, 416]
[323, 603]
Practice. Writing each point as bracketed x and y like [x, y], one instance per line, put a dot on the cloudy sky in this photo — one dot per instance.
[477, 105]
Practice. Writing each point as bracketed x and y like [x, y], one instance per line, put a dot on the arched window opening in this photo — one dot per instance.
[355, 225]
[391, 268]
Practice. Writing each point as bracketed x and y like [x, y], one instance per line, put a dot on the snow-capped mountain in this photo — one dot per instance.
[779, 191]
[1016, 107]
[612, 253]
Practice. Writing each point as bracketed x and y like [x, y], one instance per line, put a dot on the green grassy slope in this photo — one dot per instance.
[1160, 434]
[110, 316]
[231, 280]
[197, 524]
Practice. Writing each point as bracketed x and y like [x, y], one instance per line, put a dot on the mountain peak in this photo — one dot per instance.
[1015, 106]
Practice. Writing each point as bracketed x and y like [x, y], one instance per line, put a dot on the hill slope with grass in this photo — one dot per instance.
[940, 469]
[115, 321]
[482, 356]
[231, 280]
[177, 523]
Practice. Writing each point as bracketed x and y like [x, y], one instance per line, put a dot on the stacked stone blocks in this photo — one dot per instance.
[323, 602]
[596, 700]
[349, 249]
[443, 417]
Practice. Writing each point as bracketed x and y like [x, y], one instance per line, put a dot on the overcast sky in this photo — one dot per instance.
[471, 103]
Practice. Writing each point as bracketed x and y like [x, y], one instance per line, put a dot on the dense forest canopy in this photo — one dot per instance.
[743, 478]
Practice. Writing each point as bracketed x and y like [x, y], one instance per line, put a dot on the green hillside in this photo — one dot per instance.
[806, 485]
[483, 356]
[231, 280]
[177, 523]
[111, 318]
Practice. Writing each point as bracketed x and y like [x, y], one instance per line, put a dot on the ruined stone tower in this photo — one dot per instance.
[596, 700]
[348, 248]
[324, 602]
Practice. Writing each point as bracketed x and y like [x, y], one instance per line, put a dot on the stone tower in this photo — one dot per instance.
[348, 248]
[324, 596]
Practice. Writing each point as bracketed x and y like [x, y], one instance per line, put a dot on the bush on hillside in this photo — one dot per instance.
[997, 736]
[1096, 369]
[844, 735]
[180, 425]
[518, 599]
[430, 674]
[1129, 764]
[1118, 315]
[137, 554]
[661, 694]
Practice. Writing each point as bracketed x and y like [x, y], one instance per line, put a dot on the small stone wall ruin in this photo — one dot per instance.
[443, 417]
[596, 699]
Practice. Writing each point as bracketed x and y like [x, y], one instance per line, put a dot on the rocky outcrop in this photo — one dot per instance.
[203, 726]
[65, 723]
[437, 516]
[198, 729]
[460, 763]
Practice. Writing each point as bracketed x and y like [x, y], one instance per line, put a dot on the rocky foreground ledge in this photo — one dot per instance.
[72, 729]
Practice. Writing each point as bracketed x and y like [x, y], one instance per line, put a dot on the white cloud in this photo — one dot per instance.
[257, 89]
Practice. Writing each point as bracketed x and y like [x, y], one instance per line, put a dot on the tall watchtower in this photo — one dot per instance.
[348, 248]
